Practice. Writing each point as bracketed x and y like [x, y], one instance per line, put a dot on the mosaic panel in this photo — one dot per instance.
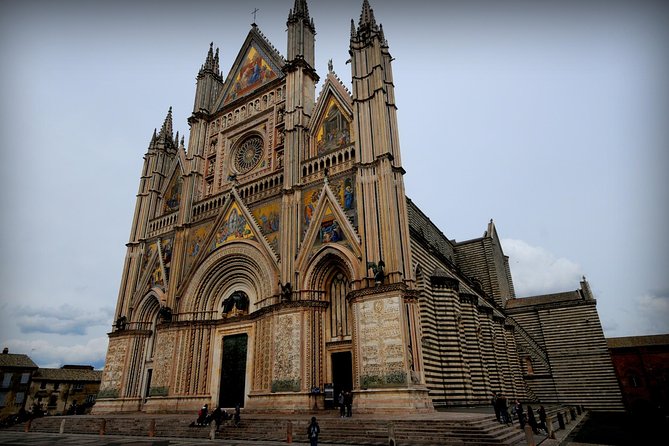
[268, 218]
[253, 72]
[335, 130]
[195, 242]
[234, 227]
[172, 195]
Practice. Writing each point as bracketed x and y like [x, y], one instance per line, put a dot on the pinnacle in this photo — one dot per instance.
[166, 129]
[367, 16]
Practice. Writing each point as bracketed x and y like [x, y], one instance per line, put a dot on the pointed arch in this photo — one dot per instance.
[332, 272]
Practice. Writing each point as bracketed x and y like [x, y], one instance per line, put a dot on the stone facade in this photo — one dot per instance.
[278, 254]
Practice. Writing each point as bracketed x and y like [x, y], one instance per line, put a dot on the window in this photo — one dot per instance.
[6, 380]
[18, 399]
[78, 386]
[53, 400]
[56, 386]
[42, 385]
[3, 397]
[25, 377]
[340, 320]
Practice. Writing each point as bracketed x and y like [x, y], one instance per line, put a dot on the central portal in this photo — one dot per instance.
[342, 373]
[233, 371]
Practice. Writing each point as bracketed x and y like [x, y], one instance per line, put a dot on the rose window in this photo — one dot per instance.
[248, 154]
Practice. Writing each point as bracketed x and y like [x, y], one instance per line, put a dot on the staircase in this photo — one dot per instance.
[434, 429]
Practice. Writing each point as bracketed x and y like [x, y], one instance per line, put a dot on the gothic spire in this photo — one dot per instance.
[166, 129]
[300, 10]
[211, 63]
[367, 16]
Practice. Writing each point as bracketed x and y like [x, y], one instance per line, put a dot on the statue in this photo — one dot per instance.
[237, 300]
[377, 269]
[121, 323]
[165, 314]
[286, 291]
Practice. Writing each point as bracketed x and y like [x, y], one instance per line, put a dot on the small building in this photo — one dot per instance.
[15, 375]
[642, 366]
[71, 387]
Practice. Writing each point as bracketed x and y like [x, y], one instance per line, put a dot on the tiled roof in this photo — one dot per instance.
[543, 299]
[637, 341]
[420, 223]
[16, 360]
[68, 375]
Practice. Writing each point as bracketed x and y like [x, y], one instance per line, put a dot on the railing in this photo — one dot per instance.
[132, 326]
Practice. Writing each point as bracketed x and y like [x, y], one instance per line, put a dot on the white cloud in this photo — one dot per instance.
[536, 271]
[48, 353]
[64, 319]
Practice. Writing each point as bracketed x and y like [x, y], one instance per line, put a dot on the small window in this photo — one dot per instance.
[6, 380]
[42, 385]
[56, 386]
[53, 400]
[78, 386]
[3, 397]
[25, 377]
[18, 399]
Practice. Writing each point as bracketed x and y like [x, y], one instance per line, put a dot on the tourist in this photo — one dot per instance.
[340, 400]
[238, 415]
[312, 432]
[542, 419]
[531, 420]
[217, 416]
[503, 409]
[202, 415]
[519, 412]
[348, 401]
[495, 406]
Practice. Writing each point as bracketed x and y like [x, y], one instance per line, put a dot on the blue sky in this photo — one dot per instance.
[549, 119]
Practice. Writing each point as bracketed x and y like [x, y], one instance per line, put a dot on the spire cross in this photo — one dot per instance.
[254, 12]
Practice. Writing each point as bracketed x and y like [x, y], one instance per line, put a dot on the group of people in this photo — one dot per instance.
[217, 416]
[345, 400]
[499, 403]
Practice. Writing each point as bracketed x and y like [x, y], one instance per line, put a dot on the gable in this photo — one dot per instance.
[326, 223]
[235, 226]
[254, 67]
[334, 130]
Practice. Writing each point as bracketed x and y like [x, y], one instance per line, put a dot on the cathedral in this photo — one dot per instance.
[276, 261]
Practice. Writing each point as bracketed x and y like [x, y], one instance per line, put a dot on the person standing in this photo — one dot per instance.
[348, 401]
[503, 409]
[312, 432]
[495, 405]
[520, 414]
[531, 420]
[542, 419]
[340, 400]
[238, 415]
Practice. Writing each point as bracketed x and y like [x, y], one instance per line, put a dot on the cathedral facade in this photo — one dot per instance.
[277, 261]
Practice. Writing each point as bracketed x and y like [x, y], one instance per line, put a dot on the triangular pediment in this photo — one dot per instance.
[328, 225]
[171, 193]
[332, 118]
[234, 223]
[256, 64]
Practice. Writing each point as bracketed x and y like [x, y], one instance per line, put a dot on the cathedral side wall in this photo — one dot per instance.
[581, 368]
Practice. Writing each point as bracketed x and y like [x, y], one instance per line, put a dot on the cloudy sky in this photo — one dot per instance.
[549, 119]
